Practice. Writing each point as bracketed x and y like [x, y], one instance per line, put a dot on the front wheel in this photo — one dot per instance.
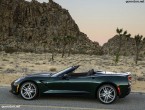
[106, 94]
[28, 91]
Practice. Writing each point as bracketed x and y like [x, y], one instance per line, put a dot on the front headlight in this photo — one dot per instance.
[17, 80]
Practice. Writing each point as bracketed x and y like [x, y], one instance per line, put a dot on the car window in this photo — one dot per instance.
[81, 69]
[62, 71]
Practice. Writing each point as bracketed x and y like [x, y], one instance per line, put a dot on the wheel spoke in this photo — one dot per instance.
[104, 89]
[111, 90]
[24, 88]
[102, 95]
[33, 90]
[111, 96]
[25, 93]
[29, 86]
[106, 99]
[107, 89]
[28, 94]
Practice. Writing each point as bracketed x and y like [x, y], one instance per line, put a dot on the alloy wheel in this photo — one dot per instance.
[107, 94]
[28, 91]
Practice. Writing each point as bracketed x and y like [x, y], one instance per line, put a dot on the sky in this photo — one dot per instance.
[99, 19]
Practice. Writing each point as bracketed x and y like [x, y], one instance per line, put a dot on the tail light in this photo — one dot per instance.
[129, 79]
[118, 90]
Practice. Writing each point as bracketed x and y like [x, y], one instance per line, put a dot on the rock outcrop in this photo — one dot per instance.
[127, 48]
[25, 25]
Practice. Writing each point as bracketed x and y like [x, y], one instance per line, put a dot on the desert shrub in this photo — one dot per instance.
[5, 60]
[141, 78]
[52, 69]
[11, 62]
[10, 70]
[37, 64]
[140, 59]
[24, 70]
[10, 50]
[134, 77]
[1, 68]
[44, 62]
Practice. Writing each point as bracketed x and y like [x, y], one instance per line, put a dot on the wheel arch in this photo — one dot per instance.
[28, 81]
[105, 83]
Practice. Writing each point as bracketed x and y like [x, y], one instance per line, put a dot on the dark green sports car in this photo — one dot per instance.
[105, 86]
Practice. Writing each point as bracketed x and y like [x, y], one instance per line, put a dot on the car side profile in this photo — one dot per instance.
[105, 86]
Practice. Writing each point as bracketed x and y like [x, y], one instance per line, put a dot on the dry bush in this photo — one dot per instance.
[52, 69]
[5, 60]
[141, 78]
[37, 64]
[10, 70]
[1, 68]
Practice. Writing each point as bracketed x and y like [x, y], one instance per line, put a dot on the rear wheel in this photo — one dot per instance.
[28, 91]
[106, 94]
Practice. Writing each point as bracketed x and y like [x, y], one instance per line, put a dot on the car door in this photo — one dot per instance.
[84, 84]
[71, 85]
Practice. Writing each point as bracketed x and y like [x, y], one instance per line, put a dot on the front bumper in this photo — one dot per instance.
[14, 88]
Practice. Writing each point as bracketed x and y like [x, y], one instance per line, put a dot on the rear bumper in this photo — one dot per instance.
[125, 91]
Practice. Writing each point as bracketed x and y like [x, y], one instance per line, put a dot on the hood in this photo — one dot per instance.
[40, 74]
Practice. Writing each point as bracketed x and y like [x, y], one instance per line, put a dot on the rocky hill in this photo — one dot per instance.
[127, 48]
[24, 26]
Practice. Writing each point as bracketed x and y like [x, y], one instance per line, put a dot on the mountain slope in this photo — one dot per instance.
[24, 26]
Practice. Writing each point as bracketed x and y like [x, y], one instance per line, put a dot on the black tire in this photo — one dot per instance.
[107, 94]
[28, 91]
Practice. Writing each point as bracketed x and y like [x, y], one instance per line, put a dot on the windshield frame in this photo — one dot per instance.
[65, 71]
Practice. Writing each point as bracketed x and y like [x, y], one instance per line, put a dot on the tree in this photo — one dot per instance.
[65, 42]
[50, 1]
[127, 37]
[120, 34]
[71, 40]
[139, 42]
[45, 43]
[54, 45]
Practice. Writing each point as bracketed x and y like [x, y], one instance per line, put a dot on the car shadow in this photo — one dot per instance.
[67, 97]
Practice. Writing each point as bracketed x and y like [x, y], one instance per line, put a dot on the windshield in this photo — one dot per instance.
[59, 73]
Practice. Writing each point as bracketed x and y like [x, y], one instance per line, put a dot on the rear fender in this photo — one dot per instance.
[110, 83]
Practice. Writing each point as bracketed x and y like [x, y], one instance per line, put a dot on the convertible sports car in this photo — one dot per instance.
[105, 86]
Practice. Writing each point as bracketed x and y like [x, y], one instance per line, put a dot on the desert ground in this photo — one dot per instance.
[15, 65]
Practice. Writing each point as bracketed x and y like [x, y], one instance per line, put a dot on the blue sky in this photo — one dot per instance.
[100, 18]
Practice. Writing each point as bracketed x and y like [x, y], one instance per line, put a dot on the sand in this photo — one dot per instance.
[13, 66]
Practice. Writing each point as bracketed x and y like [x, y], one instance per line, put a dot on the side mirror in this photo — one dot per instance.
[65, 76]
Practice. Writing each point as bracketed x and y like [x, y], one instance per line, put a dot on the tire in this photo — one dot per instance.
[28, 91]
[107, 94]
